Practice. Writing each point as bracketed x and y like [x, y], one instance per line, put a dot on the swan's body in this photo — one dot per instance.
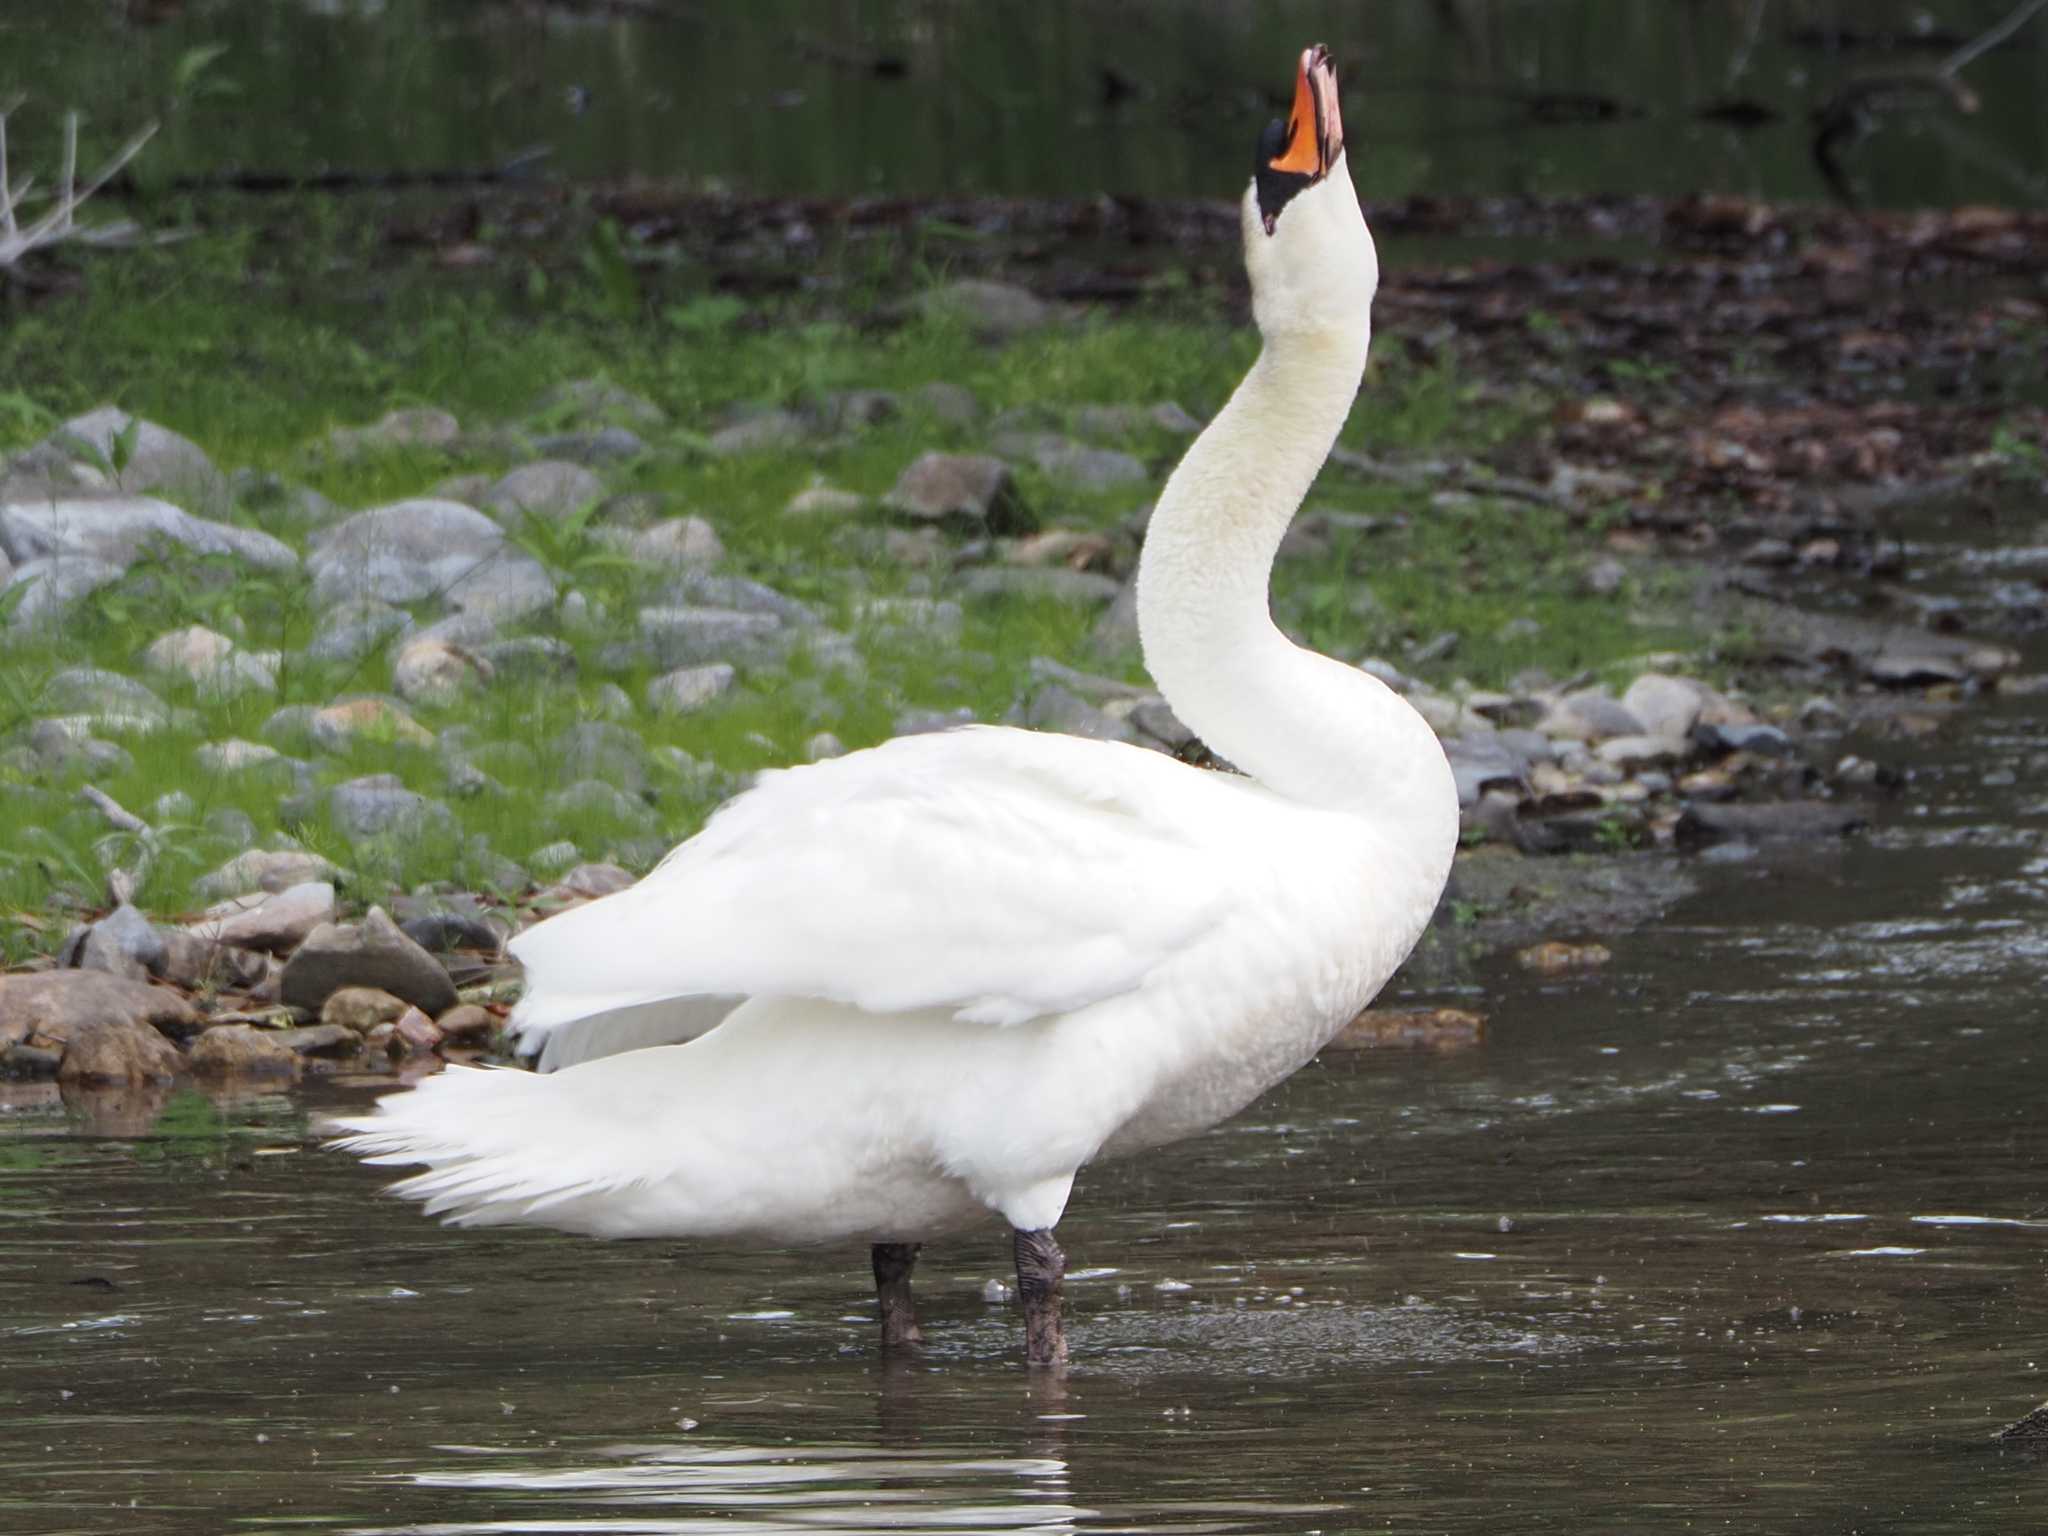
[933, 979]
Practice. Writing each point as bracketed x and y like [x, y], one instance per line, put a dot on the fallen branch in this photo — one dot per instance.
[61, 222]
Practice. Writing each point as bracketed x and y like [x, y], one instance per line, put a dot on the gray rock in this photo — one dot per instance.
[210, 660]
[1764, 740]
[1116, 632]
[372, 953]
[590, 798]
[83, 449]
[379, 805]
[1054, 708]
[678, 543]
[278, 924]
[56, 584]
[1904, 669]
[1667, 706]
[922, 722]
[819, 500]
[951, 403]
[359, 1010]
[590, 881]
[594, 402]
[242, 1050]
[1604, 577]
[737, 593]
[49, 1007]
[278, 500]
[598, 445]
[970, 493]
[122, 944]
[851, 410]
[994, 311]
[1041, 581]
[1592, 715]
[119, 530]
[431, 671]
[599, 749]
[118, 1050]
[688, 688]
[911, 617]
[550, 489]
[414, 550]
[530, 659]
[351, 630]
[340, 724]
[1631, 753]
[763, 431]
[237, 756]
[103, 700]
[1702, 823]
[822, 746]
[685, 637]
[332, 1040]
[1080, 468]
[262, 869]
[227, 825]
[414, 427]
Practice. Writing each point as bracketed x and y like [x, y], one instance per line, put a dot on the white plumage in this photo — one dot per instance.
[887, 994]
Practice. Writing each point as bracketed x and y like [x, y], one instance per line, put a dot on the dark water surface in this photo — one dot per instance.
[1060, 97]
[1746, 1232]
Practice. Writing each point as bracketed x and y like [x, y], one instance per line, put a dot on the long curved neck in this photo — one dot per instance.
[1306, 726]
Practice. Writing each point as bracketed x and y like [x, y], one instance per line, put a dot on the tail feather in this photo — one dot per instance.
[502, 1145]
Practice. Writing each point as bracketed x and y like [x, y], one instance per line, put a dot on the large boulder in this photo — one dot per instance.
[422, 549]
[118, 530]
[372, 953]
[117, 1050]
[83, 451]
[55, 584]
[49, 1007]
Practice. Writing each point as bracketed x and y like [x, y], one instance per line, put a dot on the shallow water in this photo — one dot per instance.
[1744, 1232]
[1063, 97]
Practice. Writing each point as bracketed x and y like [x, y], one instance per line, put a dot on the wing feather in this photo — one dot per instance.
[999, 874]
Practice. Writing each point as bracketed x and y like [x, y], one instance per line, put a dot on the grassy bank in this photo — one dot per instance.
[256, 349]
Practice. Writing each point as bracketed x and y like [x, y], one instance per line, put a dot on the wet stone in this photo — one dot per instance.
[117, 1050]
[242, 1050]
[360, 1009]
[51, 1006]
[328, 1040]
[1555, 957]
[1793, 820]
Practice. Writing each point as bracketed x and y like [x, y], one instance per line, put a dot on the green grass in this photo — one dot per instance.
[255, 349]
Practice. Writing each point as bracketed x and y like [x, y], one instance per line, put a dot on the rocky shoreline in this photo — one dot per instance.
[469, 592]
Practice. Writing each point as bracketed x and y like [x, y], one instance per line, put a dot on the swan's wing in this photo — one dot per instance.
[999, 874]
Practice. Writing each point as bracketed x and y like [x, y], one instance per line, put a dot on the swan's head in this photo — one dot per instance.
[1306, 247]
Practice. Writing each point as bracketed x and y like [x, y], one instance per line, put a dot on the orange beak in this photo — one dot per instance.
[1315, 133]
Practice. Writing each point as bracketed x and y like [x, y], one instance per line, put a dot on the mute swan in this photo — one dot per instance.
[931, 980]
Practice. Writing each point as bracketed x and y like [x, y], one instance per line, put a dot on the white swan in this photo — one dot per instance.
[931, 980]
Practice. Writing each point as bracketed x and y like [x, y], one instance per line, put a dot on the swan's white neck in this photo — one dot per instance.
[1311, 728]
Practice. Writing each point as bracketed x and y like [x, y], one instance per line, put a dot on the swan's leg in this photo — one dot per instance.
[893, 1264]
[1040, 1269]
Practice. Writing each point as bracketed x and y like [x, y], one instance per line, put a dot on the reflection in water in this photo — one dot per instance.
[1746, 1231]
[748, 1489]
